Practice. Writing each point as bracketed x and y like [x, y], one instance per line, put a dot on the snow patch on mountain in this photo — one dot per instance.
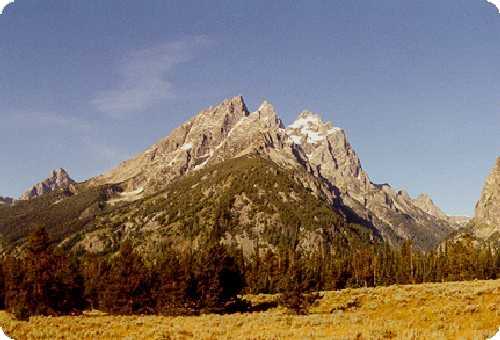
[304, 121]
[296, 139]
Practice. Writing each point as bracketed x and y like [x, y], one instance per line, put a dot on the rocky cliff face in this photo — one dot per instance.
[229, 130]
[487, 215]
[58, 179]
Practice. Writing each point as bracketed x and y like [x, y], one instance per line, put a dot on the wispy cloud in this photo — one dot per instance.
[144, 77]
[3, 4]
[496, 3]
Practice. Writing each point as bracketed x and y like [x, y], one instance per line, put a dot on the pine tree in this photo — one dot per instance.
[127, 288]
[42, 282]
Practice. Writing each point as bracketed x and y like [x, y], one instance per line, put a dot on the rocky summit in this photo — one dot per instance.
[487, 215]
[58, 179]
[230, 130]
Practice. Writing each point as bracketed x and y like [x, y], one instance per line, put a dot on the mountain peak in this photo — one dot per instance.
[305, 119]
[266, 106]
[425, 202]
[267, 113]
[311, 126]
[229, 130]
[309, 114]
[423, 197]
[60, 174]
[237, 102]
[58, 179]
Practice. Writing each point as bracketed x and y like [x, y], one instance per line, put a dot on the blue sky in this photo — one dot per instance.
[416, 84]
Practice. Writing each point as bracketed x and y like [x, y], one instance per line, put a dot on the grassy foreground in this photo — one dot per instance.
[455, 310]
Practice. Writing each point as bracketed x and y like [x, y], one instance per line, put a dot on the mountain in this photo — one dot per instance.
[392, 212]
[314, 153]
[58, 179]
[424, 202]
[487, 214]
[62, 212]
[248, 202]
[229, 130]
[6, 200]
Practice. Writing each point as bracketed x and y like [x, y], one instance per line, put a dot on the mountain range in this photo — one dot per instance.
[246, 175]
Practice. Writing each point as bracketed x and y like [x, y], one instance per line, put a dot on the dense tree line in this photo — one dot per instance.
[46, 281]
[43, 282]
[376, 265]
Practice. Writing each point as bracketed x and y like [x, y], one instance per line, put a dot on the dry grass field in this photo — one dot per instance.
[456, 310]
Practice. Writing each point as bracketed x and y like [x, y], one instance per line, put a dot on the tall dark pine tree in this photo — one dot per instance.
[127, 288]
[216, 279]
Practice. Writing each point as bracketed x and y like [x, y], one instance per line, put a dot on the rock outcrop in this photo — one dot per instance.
[58, 179]
[487, 215]
[229, 130]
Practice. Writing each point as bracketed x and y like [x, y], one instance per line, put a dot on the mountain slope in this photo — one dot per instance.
[61, 212]
[249, 202]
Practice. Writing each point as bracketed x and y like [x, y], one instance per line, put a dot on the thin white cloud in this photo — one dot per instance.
[4, 3]
[496, 3]
[143, 77]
